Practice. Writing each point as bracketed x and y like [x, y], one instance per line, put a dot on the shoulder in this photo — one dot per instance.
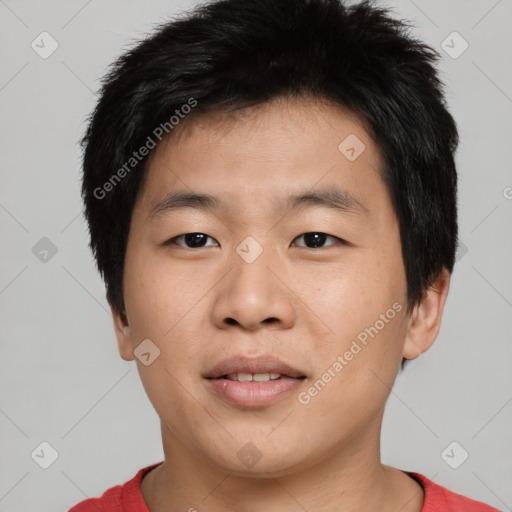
[440, 499]
[110, 501]
[121, 498]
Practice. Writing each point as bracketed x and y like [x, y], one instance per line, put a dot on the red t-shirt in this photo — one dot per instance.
[128, 498]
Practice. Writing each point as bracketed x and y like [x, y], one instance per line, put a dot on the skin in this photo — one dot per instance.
[321, 456]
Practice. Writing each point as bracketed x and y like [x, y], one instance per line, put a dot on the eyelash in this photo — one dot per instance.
[338, 240]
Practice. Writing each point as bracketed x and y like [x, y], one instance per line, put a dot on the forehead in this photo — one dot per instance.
[283, 147]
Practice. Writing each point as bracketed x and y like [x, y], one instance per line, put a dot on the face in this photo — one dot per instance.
[317, 283]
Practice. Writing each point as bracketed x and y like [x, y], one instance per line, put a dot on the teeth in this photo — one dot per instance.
[265, 376]
[258, 377]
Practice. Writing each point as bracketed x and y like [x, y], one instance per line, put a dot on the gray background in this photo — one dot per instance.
[62, 380]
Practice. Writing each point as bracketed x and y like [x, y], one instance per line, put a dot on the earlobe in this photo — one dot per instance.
[425, 320]
[123, 334]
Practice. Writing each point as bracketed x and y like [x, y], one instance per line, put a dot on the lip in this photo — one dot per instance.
[261, 364]
[253, 394]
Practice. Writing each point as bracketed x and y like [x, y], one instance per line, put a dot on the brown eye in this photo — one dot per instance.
[316, 239]
[191, 240]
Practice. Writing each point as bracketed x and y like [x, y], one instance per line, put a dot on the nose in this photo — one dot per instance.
[255, 294]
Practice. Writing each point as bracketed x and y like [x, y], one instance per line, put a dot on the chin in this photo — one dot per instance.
[258, 458]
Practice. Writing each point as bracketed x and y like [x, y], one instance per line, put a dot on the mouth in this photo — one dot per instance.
[256, 377]
[262, 368]
[253, 383]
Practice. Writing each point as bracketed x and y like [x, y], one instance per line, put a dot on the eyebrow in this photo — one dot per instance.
[327, 197]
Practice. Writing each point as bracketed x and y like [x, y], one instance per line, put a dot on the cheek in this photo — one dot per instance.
[363, 305]
[160, 303]
[353, 294]
[158, 296]
[357, 372]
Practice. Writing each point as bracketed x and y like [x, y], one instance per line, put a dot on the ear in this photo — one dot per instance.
[425, 320]
[123, 334]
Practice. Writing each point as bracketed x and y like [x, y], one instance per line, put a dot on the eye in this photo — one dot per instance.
[191, 240]
[312, 240]
[317, 239]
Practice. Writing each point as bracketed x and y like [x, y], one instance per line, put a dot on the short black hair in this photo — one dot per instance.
[224, 56]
